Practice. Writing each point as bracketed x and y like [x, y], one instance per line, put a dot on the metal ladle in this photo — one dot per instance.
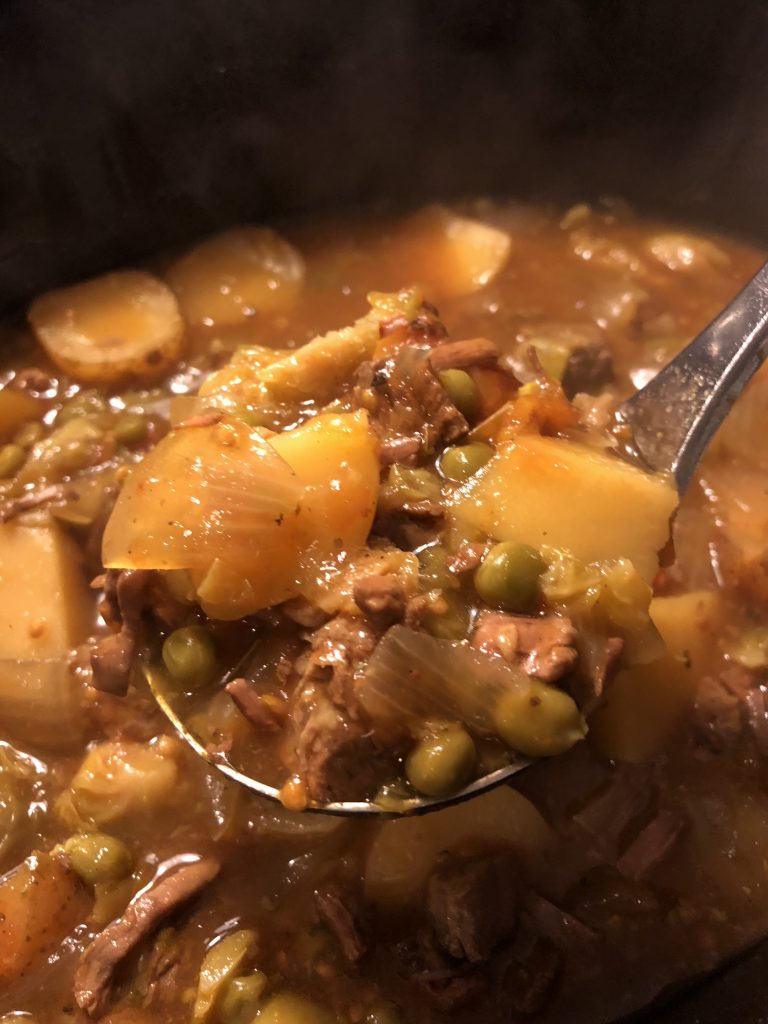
[670, 421]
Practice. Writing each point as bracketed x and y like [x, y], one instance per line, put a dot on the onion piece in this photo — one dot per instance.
[413, 677]
[41, 703]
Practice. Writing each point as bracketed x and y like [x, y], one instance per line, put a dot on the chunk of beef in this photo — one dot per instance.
[338, 758]
[462, 355]
[447, 983]
[406, 400]
[411, 524]
[112, 657]
[339, 909]
[473, 905]
[93, 978]
[589, 370]
[338, 651]
[381, 599]
[552, 922]
[608, 816]
[544, 647]
[260, 713]
[652, 844]
[467, 558]
[399, 449]
[720, 711]
[304, 613]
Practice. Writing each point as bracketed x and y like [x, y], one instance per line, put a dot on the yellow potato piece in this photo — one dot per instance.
[16, 409]
[448, 255]
[235, 275]
[125, 324]
[40, 902]
[404, 851]
[553, 492]
[45, 605]
[646, 703]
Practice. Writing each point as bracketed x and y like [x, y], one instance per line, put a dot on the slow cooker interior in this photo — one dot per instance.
[130, 127]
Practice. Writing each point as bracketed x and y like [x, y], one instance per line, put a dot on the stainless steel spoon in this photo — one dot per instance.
[670, 421]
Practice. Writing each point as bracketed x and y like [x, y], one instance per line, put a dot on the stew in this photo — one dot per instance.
[347, 498]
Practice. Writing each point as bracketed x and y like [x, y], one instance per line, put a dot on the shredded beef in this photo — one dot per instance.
[381, 599]
[338, 650]
[93, 978]
[544, 647]
[447, 983]
[461, 355]
[531, 975]
[406, 400]
[652, 844]
[339, 909]
[252, 706]
[47, 494]
[720, 711]
[340, 759]
[467, 558]
[589, 370]
[125, 595]
[606, 817]
[399, 449]
[410, 525]
[473, 905]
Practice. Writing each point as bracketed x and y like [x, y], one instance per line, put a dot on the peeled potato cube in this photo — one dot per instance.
[125, 324]
[550, 492]
[448, 255]
[235, 275]
[45, 604]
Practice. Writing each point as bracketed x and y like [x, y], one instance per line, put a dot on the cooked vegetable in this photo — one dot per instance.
[40, 902]
[41, 702]
[463, 461]
[549, 491]
[404, 851]
[539, 721]
[236, 275]
[11, 806]
[686, 252]
[249, 517]
[220, 964]
[125, 324]
[462, 391]
[508, 576]
[442, 764]
[131, 428]
[287, 1008]
[98, 858]
[241, 998]
[45, 612]
[751, 648]
[190, 656]
[17, 409]
[121, 778]
[12, 458]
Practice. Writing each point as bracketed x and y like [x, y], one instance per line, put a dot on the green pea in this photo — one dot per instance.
[384, 1013]
[463, 461]
[539, 720]
[508, 576]
[130, 428]
[443, 764]
[241, 997]
[98, 858]
[462, 391]
[12, 458]
[287, 1008]
[190, 656]
[87, 403]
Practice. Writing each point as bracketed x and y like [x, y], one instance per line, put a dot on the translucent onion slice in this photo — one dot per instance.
[205, 492]
[414, 677]
[125, 324]
[41, 703]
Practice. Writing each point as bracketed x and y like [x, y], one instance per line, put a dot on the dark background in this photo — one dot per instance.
[130, 125]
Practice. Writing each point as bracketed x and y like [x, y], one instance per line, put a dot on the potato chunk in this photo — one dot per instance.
[45, 605]
[546, 491]
[40, 902]
[646, 702]
[236, 274]
[125, 324]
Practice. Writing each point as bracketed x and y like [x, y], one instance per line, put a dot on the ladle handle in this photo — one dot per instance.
[674, 417]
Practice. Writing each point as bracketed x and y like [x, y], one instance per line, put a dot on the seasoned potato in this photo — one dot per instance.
[646, 702]
[545, 491]
[122, 325]
[47, 611]
[40, 902]
[235, 275]
[16, 409]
